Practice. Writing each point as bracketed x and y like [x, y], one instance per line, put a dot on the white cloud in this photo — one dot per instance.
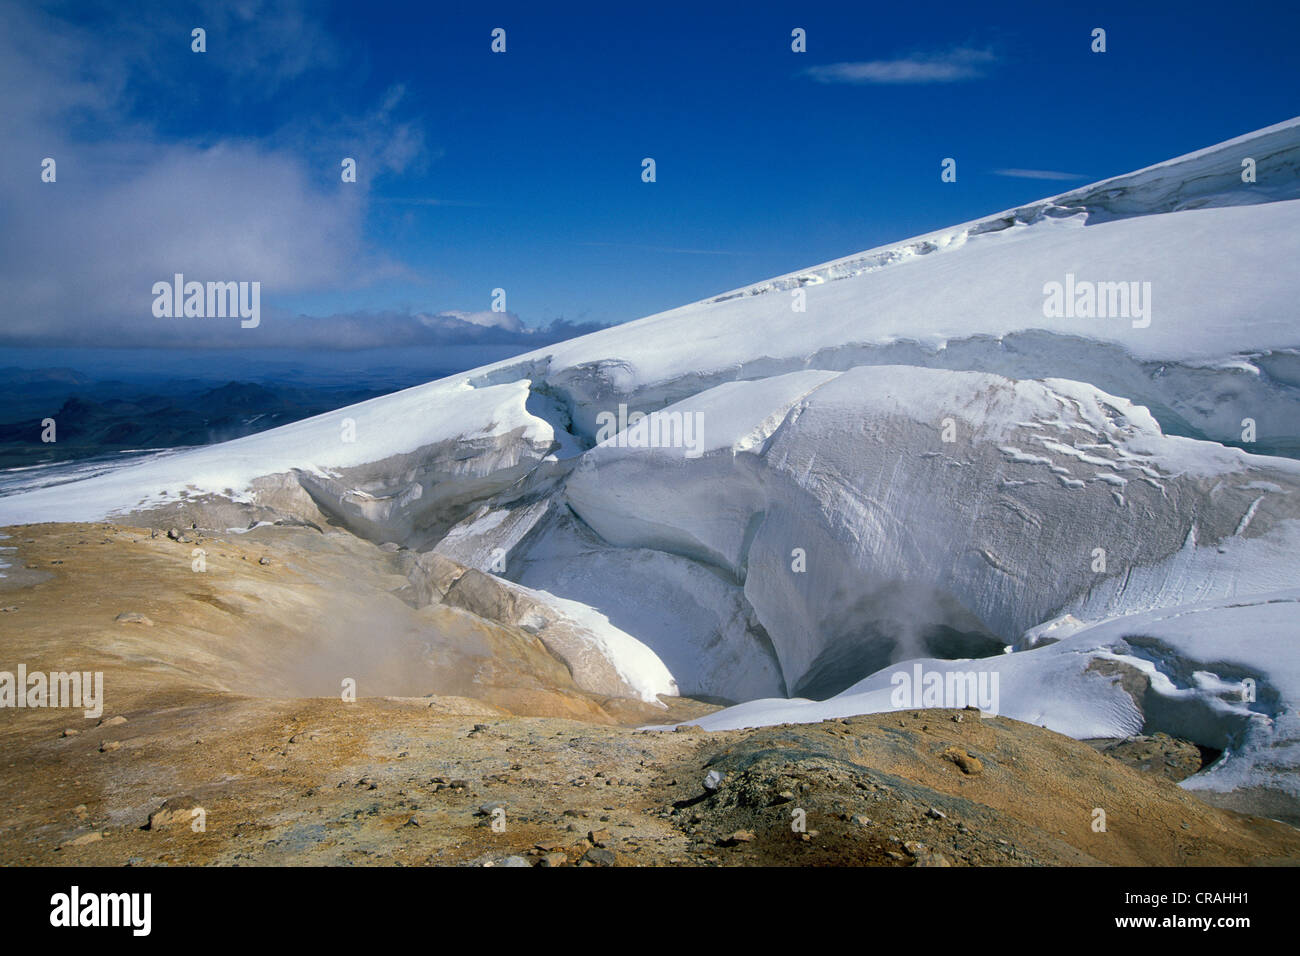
[487, 320]
[130, 207]
[1036, 174]
[949, 66]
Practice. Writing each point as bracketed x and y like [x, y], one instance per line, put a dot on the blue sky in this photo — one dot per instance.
[522, 170]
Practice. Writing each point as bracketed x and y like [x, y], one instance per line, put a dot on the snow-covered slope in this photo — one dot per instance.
[992, 435]
[909, 542]
[1222, 339]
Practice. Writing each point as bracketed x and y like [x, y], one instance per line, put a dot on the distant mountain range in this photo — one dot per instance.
[93, 418]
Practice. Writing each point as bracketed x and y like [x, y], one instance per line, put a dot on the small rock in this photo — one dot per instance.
[934, 814]
[713, 780]
[94, 836]
[931, 858]
[176, 810]
[598, 856]
[554, 858]
[740, 836]
[69, 733]
[969, 765]
[112, 721]
[263, 560]
[132, 617]
[598, 837]
[108, 745]
[514, 861]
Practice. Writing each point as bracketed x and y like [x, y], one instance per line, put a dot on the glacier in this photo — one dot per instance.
[902, 457]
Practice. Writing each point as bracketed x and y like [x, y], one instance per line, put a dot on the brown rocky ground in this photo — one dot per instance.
[230, 695]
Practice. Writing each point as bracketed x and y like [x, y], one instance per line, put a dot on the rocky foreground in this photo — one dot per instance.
[470, 743]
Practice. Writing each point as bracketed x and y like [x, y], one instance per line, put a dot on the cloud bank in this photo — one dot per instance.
[134, 203]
